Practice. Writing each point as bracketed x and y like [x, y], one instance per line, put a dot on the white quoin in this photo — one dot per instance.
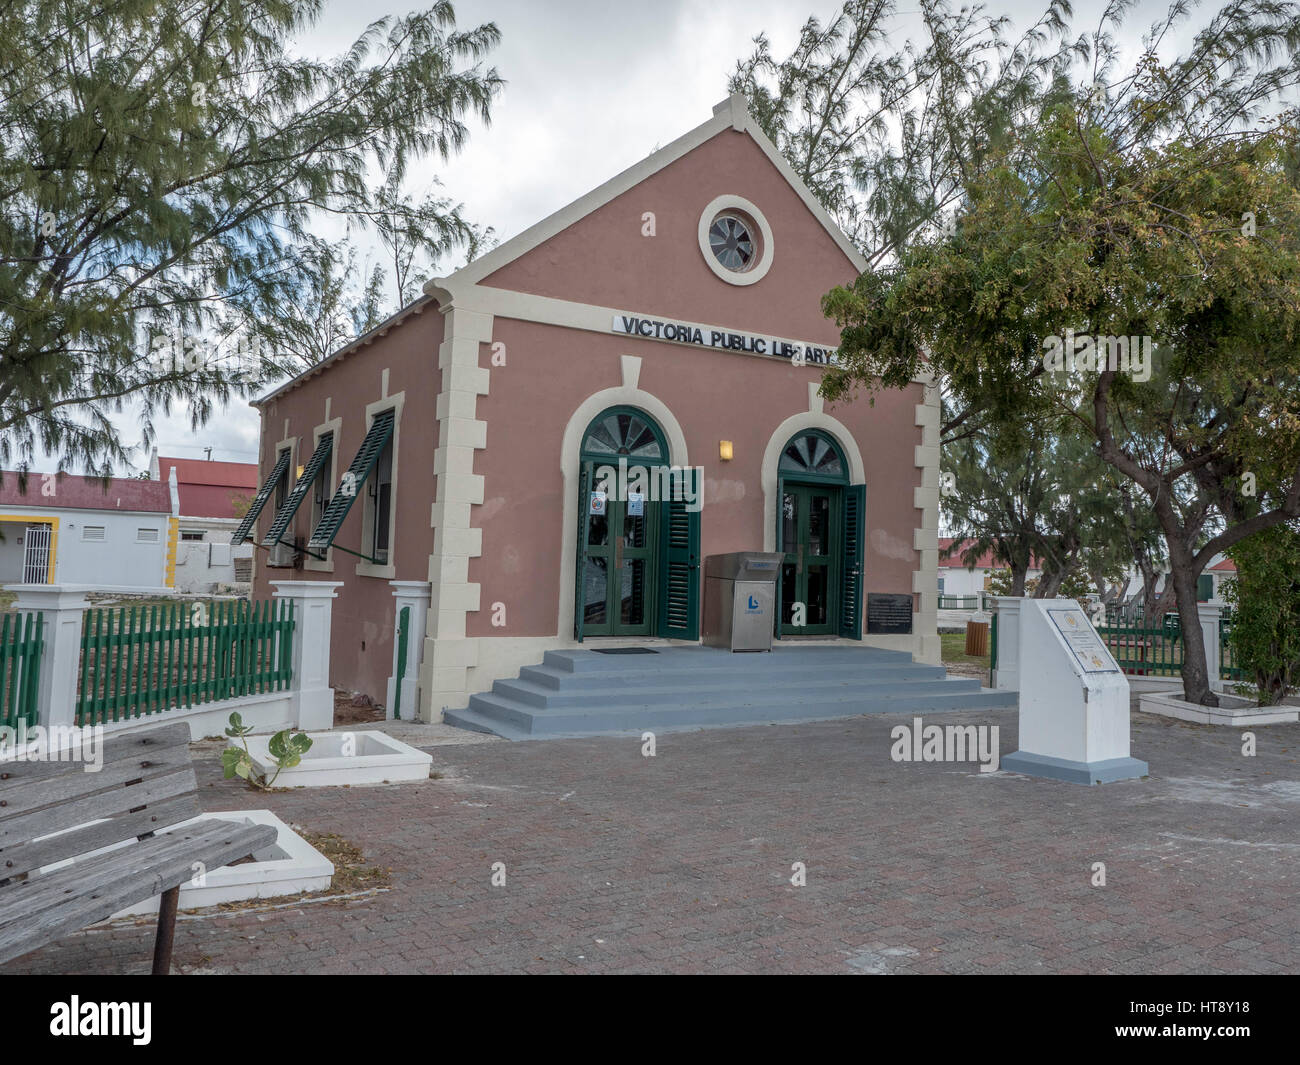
[61, 607]
[312, 696]
[416, 595]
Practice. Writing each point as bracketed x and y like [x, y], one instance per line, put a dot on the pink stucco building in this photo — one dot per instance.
[669, 319]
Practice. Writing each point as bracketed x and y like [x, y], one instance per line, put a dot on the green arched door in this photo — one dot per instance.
[819, 531]
[623, 451]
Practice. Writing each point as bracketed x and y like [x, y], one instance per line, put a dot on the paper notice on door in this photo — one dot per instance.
[597, 503]
[1088, 649]
[635, 504]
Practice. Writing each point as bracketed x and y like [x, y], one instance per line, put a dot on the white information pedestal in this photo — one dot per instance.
[1074, 699]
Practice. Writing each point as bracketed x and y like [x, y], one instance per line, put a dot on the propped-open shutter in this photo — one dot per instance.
[381, 431]
[294, 499]
[259, 500]
[580, 574]
[855, 503]
[679, 556]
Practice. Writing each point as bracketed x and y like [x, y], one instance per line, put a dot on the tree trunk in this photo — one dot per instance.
[1196, 681]
[1048, 585]
[1018, 575]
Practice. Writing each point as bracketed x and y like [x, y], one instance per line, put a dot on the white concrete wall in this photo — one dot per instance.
[12, 551]
[118, 561]
[197, 567]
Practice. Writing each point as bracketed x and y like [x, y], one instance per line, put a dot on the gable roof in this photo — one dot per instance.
[985, 561]
[209, 489]
[74, 492]
[731, 113]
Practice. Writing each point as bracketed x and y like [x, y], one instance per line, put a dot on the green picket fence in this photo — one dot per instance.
[146, 660]
[1152, 651]
[21, 644]
[1228, 668]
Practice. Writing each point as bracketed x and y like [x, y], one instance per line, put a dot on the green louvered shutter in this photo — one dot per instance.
[381, 431]
[779, 546]
[294, 499]
[580, 575]
[855, 502]
[259, 500]
[679, 558]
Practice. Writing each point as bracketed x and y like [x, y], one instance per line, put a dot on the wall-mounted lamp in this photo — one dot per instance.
[300, 469]
[724, 450]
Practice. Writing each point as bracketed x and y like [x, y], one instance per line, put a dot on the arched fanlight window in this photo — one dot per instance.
[813, 455]
[624, 432]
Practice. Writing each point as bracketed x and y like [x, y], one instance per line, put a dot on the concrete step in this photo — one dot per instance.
[693, 689]
[691, 677]
[708, 658]
[504, 715]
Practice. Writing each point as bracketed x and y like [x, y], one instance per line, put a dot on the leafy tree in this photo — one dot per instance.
[1152, 211]
[159, 165]
[887, 135]
[1265, 595]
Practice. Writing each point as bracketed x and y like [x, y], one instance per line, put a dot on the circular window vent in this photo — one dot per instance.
[735, 240]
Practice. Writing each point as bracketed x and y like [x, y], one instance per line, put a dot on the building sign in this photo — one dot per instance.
[1083, 642]
[889, 613]
[705, 336]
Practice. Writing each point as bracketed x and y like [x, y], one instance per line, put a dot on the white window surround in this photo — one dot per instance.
[386, 571]
[335, 426]
[739, 205]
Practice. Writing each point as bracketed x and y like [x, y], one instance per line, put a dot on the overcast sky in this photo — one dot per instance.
[592, 86]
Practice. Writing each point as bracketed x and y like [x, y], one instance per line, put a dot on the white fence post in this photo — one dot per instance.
[62, 607]
[1007, 610]
[413, 594]
[1209, 615]
[311, 698]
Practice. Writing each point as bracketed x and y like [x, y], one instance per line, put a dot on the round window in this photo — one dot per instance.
[733, 242]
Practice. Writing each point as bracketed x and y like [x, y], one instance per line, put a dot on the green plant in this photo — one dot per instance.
[286, 749]
[1265, 597]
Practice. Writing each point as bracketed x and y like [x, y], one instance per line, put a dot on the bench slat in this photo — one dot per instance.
[122, 747]
[48, 819]
[25, 856]
[45, 908]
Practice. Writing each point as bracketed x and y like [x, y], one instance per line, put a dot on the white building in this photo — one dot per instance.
[208, 500]
[69, 529]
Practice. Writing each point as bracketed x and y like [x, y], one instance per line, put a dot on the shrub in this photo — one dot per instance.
[1265, 596]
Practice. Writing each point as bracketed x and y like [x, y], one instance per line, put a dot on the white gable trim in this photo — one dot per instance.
[732, 113]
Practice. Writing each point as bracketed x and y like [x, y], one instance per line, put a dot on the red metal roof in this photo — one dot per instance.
[72, 491]
[210, 489]
[1226, 566]
[985, 560]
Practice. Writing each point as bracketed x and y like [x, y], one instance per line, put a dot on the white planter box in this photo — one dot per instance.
[345, 757]
[1230, 711]
[289, 866]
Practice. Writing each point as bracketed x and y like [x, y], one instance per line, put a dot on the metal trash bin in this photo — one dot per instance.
[740, 600]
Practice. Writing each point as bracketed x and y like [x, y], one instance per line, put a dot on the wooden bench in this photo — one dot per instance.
[52, 811]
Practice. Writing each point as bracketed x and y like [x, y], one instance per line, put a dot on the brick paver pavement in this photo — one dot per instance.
[682, 862]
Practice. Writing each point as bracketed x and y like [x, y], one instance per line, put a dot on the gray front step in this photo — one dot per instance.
[504, 717]
[611, 693]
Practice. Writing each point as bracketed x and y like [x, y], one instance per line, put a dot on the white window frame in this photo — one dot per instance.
[385, 570]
